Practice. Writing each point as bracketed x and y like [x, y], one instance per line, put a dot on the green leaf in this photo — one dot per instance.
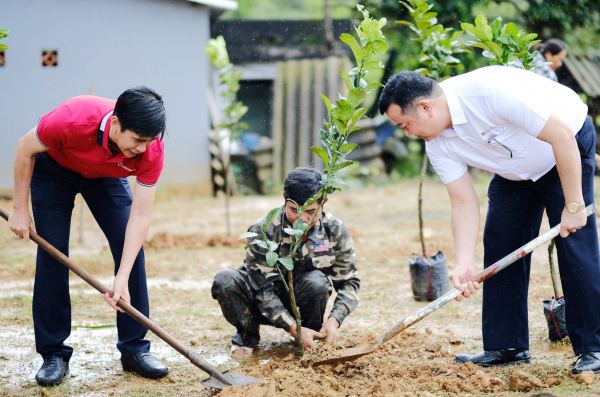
[272, 245]
[530, 36]
[346, 78]
[456, 35]
[495, 49]
[356, 49]
[481, 20]
[481, 45]
[382, 22]
[322, 153]
[358, 114]
[497, 27]
[271, 258]
[356, 96]
[327, 103]
[260, 243]
[271, 275]
[370, 86]
[270, 216]
[372, 65]
[347, 147]
[512, 29]
[287, 262]
[247, 234]
[343, 165]
[3, 47]
[293, 232]
[469, 28]
[380, 46]
[409, 8]
[406, 23]
[346, 108]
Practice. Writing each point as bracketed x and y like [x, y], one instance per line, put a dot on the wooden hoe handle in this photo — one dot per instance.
[103, 289]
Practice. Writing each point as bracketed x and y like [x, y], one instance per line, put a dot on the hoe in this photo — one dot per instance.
[216, 379]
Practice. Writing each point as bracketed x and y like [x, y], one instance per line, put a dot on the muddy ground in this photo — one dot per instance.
[187, 247]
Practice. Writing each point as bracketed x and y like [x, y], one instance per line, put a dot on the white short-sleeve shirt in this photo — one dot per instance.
[497, 113]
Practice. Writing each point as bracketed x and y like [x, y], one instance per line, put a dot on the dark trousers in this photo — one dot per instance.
[513, 219]
[231, 288]
[53, 191]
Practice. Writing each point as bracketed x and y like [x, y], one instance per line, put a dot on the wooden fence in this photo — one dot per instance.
[298, 114]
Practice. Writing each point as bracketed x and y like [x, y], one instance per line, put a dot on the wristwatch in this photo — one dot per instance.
[574, 207]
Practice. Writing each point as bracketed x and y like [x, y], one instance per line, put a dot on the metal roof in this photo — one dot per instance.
[586, 71]
[223, 4]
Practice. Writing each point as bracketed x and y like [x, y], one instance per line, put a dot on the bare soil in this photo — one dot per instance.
[187, 246]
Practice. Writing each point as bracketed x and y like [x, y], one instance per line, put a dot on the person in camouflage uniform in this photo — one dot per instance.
[324, 262]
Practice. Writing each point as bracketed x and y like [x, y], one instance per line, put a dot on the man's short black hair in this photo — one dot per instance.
[406, 89]
[142, 111]
[302, 184]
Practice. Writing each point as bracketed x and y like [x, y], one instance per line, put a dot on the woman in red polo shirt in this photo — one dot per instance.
[90, 145]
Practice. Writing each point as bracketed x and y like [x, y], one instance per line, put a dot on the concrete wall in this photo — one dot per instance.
[113, 45]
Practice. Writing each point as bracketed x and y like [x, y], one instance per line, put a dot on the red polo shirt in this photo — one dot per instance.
[76, 134]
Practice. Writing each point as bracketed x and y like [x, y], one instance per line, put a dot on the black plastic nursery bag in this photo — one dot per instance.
[429, 276]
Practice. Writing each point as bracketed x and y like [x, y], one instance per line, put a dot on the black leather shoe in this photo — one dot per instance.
[587, 362]
[53, 371]
[493, 358]
[144, 365]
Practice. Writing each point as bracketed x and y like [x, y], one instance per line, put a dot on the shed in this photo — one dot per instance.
[59, 49]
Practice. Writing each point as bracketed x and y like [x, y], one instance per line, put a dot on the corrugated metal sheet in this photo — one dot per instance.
[586, 70]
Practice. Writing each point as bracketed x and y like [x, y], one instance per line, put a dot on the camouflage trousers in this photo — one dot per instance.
[231, 288]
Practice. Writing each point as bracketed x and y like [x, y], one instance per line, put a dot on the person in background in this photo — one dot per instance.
[554, 51]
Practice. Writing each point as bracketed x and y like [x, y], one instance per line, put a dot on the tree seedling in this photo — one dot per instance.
[503, 44]
[231, 127]
[343, 114]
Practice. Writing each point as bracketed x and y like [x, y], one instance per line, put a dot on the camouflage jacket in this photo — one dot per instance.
[338, 262]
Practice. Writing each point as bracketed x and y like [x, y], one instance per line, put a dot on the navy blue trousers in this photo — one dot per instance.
[53, 191]
[513, 219]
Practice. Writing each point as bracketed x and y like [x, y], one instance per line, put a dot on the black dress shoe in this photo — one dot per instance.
[493, 358]
[52, 372]
[144, 365]
[587, 362]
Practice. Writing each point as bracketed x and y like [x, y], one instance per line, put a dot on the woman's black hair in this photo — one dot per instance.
[406, 89]
[553, 46]
[142, 111]
[302, 184]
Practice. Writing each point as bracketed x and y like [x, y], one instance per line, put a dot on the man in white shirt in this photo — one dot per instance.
[534, 134]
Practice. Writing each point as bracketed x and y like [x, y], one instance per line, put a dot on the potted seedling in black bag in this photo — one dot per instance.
[554, 309]
[429, 274]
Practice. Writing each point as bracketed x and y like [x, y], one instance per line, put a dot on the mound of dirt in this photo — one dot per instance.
[587, 377]
[522, 381]
[409, 365]
[192, 241]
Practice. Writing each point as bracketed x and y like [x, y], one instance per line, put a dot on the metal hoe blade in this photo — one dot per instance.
[232, 380]
[349, 354]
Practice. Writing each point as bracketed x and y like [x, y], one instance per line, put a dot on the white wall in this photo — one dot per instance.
[114, 45]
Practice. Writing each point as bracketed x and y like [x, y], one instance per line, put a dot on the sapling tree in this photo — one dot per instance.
[343, 114]
[437, 43]
[230, 127]
[437, 48]
[503, 44]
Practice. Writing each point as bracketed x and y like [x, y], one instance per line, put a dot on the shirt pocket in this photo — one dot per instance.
[323, 260]
[506, 144]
